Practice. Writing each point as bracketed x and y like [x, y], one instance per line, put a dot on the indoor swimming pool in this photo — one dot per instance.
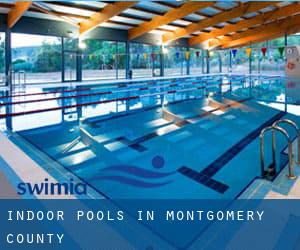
[177, 138]
[38, 105]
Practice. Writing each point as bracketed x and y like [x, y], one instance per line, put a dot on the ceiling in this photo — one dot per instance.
[211, 24]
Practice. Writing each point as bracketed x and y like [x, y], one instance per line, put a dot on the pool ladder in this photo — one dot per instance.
[271, 171]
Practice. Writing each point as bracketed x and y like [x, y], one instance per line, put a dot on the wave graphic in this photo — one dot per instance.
[140, 172]
[116, 173]
[131, 182]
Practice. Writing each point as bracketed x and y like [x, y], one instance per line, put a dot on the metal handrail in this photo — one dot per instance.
[290, 150]
[294, 125]
[70, 145]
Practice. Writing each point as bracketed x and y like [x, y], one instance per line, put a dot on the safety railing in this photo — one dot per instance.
[272, 167]
[295, 126]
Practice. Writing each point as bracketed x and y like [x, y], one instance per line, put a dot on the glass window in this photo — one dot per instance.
[205, 63]
[144, 60]
[156, 60]
[240, 63]
[175, 61]
[259, 45]
[196, 62]
[255, 61]
[121, 60]
[293, 39]
[272, 63]
[276, 42]
[99, 60]
[140, 60]
[214, 62]
[35, 59]
[225, 61]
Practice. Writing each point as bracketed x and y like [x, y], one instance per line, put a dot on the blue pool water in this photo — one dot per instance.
[191, 138]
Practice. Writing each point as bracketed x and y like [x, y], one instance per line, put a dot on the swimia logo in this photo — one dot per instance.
[48, 188]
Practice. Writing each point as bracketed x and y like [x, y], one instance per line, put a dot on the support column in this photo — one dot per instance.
[162, 61]
[188, 61]
[202, 62]
[8, 64]
[207, 62]
[285, 101]
[250, 62]
[230, 61]
[220, 63]
[79, 66]
[285, 39]
[117, 60]
[8, 78]
[62, 61]
[127, 59]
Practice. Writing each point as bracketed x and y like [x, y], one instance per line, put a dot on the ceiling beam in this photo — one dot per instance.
[218, 18]
[287, 25]
[265, 37]
[170, 16]
[289, 10]
[290, 31]
[107, 12]
[58, 15]
[17, 12]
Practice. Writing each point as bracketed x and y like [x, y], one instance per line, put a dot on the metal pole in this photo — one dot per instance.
[291, 164]
[8, 64]
[262, 154]
[294, 125]
[274, 148]
[188, 61]
[162, 61]
[220, 63]
[79, 65]
[117, 60]
[207, 62]
[127, 59]
[62, 60]
[230, 62]
[9, 75]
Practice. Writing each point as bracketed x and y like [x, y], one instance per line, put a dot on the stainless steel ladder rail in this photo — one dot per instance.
[262, 149]
[71, 145]
[294, 125]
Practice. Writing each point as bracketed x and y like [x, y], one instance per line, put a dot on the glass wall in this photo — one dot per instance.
[140, 60]
[272, 63]
[205, 60]
[214, 61]
[255, 61]
[240, 62]
[2, 58]
[71, 57]
[35, 59]
[38, 59]
[99, 60]
[175, 61]
[121, 60]
[293, 39]
[196, 61]
[225, 61]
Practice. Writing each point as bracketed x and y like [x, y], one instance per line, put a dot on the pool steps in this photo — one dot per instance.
[271, 170]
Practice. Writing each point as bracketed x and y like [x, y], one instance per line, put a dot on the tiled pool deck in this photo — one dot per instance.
[280, 188]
